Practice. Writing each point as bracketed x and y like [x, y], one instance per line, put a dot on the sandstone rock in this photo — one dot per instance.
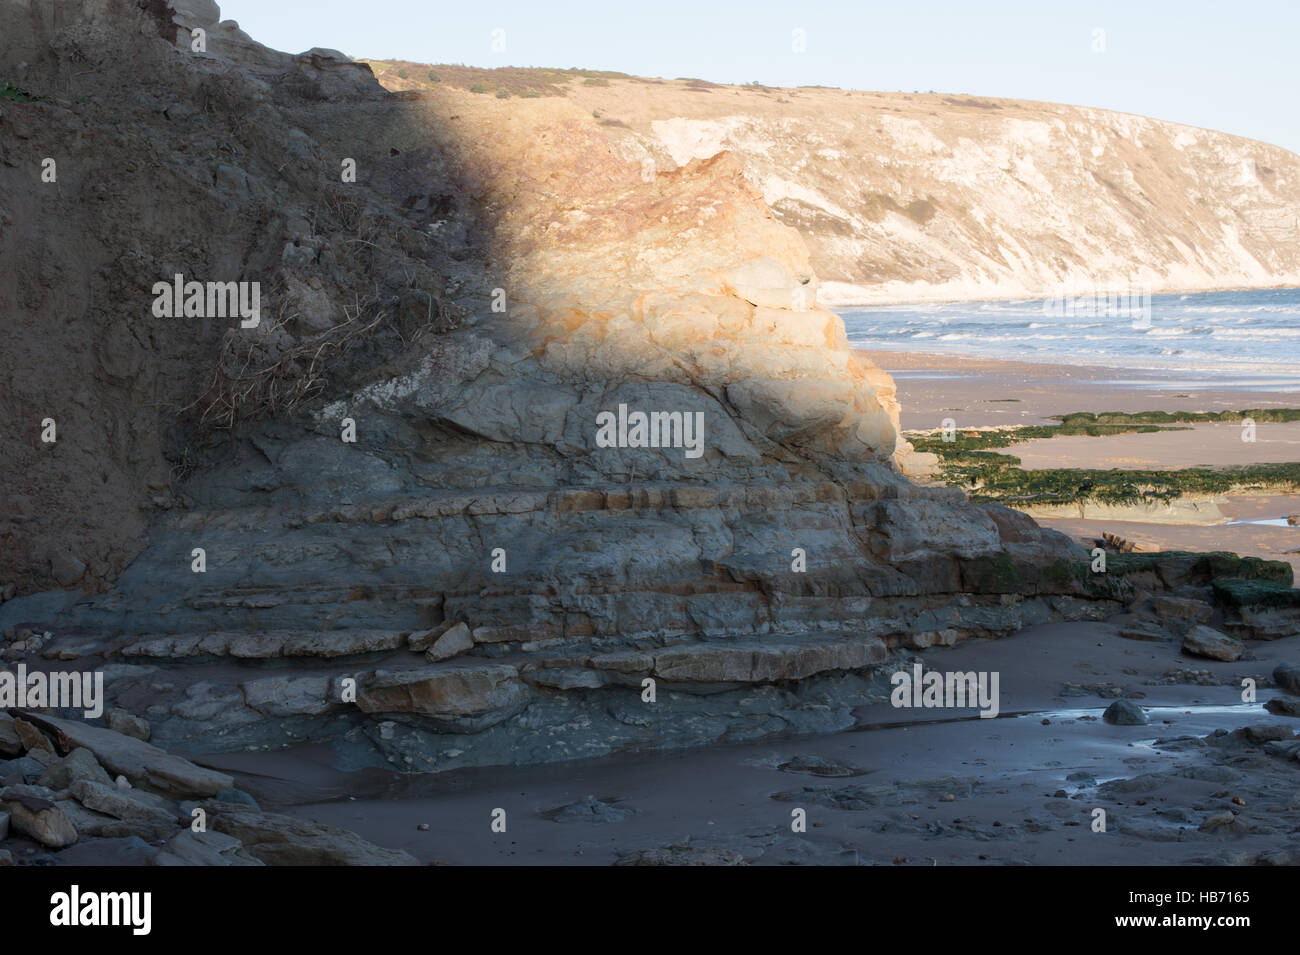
[269, 644]
[456, 640]
[1283, 706]
[568, 678]
[10, 742]
[120, 721]
[33, 814]
[1202, 641]
[77, 765]
[276, 839]
[1285, 675]
[132, 805]
[1145, 634]
[1223, 823]
[1265, 732]
[767, 283]
[204, 848]
[706, 663]
[98, 825]
[446, 691]
[1181, 609]
[1125, 713]
[290, 695]
[30, 738]
[590, 809]
[141, 762]
[27, 767]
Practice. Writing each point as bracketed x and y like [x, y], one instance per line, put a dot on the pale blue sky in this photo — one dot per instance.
[1228, 66]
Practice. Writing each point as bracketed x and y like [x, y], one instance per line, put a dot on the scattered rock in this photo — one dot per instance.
[237, 797]
[77, 765]
[1125, 713]
[1223, 823]
[683, 855]
[1265, 732]
[30, 737]
[1148, 634]
[204, 848]
[28, 767]
[1283, 706]
[112, 851]
[590, 809]
[457, 639]
[133, 804]
[819, 766]
[1287, 676]
[1202, 641]
[10, 744]
[141, 762]
[276, 839]
[120, 721]
[34, 814]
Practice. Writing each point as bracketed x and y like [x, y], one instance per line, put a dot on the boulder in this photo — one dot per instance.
[131, 804]
[204, 848]
[447, 691]
[1287, 676]
[120, 721]
[33, 814]
[10, 744]
[142, 763]
[1284, 706]
[80, 764]
[1126, 713]
[456, 640]
[1202, 641]
[276, 839]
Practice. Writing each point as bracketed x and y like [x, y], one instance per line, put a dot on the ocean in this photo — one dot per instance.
[1243, 338]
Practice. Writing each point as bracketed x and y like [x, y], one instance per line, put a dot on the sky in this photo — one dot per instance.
[1234, 67]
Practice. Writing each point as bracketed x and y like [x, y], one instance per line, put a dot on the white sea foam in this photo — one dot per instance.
[1238, 335]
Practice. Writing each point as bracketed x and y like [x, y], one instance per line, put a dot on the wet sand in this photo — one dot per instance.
[980, 393]
[934, 787]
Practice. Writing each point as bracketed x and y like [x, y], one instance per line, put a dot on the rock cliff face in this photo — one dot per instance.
[903, 197]
[413, 511]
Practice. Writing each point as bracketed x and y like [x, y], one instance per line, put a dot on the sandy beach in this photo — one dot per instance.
[979, 393]
[900, 788]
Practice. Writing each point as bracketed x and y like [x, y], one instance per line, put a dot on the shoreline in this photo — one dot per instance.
[990, 392]
[835, 304]
[987, 393]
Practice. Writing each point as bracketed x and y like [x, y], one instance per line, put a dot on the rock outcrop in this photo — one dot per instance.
[532, 455]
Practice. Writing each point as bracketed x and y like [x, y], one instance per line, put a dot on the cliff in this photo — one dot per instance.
[906, 197]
